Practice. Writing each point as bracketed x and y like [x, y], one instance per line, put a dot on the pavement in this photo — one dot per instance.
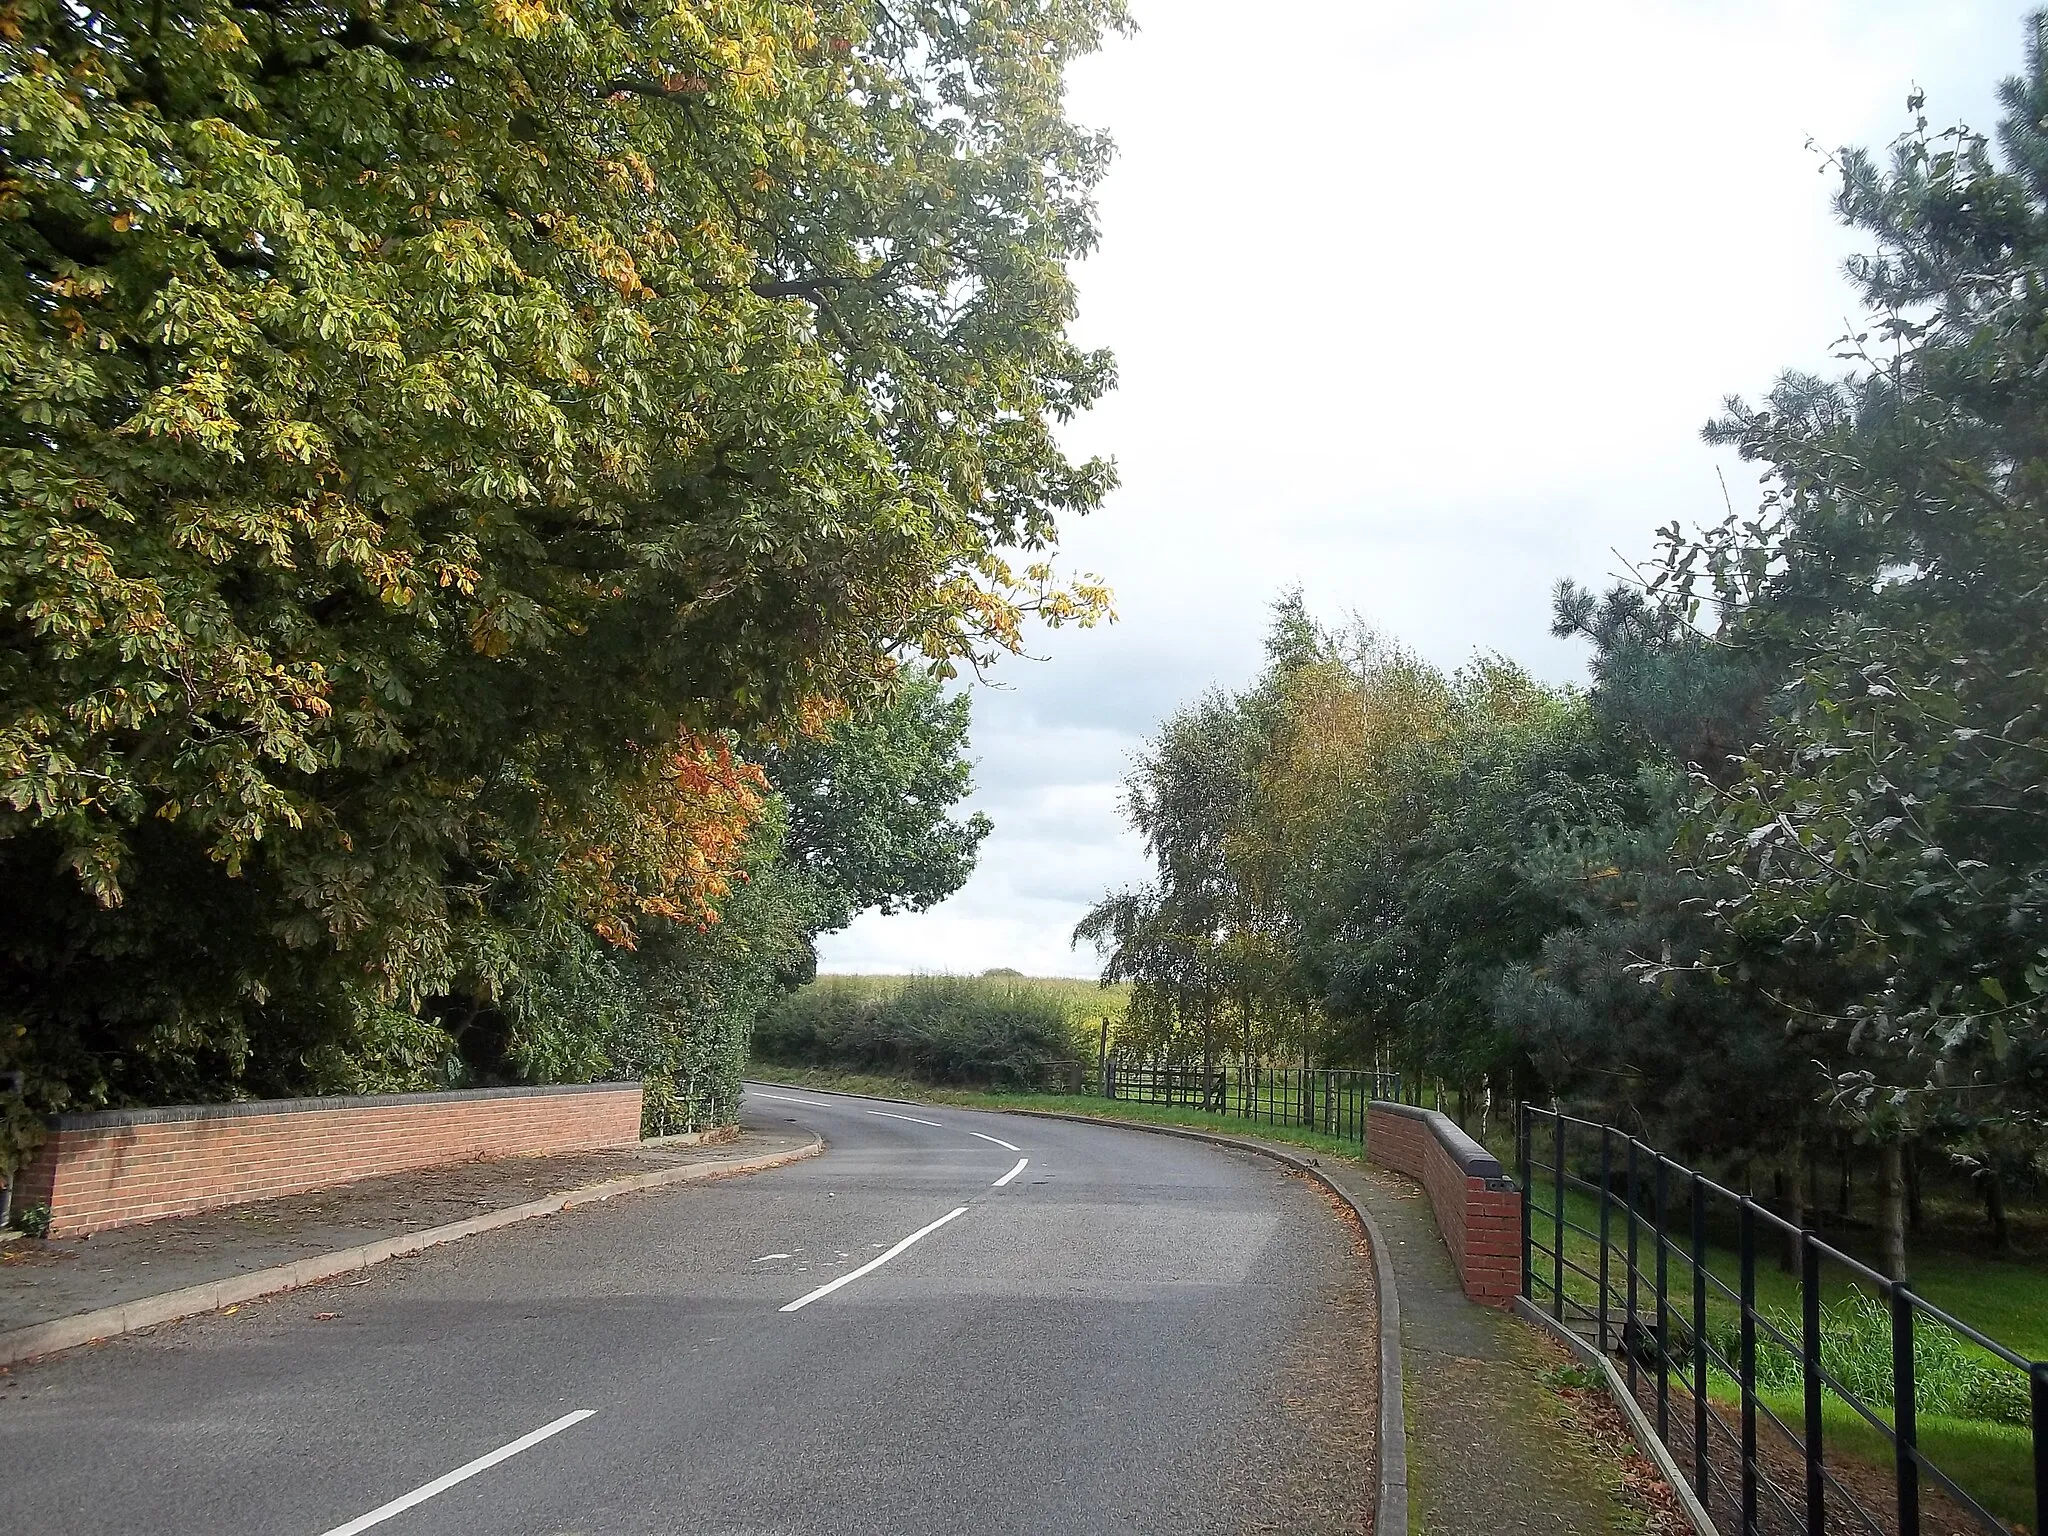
[1493, 1446]
[43, 1281]
[951, 1321]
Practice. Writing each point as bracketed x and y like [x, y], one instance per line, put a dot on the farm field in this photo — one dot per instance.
[1086, 1002]
[999, 1030]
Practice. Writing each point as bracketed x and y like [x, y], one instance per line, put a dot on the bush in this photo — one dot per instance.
[970, 1031]
[1950, 1377]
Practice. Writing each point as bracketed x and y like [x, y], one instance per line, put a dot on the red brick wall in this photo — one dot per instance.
[109, 1170]
[1478, 1209]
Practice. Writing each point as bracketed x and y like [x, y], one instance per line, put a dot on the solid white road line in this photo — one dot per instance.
[998, 1141]
[463, 1473]
[872, 1264]
[785, 1099]
[1022, 1164]
[911, 1118]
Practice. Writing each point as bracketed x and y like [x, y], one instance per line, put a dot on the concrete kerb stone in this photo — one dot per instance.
[1391, 1510]
[19, 1344]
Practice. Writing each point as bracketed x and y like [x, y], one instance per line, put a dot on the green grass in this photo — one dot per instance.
[1085, 1002]
[2006, 1299]
[1994, 1462]
[1952, 1263]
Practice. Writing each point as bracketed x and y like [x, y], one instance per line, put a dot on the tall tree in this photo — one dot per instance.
[423, 421]
[1888, 829]
[870, 800]
[1875, 847]
[1183, 795]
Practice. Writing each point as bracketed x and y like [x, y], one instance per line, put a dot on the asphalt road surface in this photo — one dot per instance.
[950, 1322]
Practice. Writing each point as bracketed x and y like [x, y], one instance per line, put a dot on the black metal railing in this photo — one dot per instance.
[1333, 1100]
[1634, 1253]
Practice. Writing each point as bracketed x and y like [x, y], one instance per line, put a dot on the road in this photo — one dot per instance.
[1097, 1331]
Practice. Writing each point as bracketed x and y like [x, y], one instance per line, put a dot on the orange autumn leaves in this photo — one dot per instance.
[667, 845]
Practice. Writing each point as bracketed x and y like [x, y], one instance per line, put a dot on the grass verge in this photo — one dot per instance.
[1992, 1461]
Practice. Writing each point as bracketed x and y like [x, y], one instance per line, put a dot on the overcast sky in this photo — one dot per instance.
[1421, 306]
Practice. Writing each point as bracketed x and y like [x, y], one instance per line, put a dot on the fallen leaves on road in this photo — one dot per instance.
[325, 1317]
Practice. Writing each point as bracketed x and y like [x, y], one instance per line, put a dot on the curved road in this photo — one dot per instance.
[1098, 1331]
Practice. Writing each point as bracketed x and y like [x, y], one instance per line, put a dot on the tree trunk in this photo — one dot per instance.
[1208, 1042]
[1308, 1103]
[1994, 1210]
[1792, 1183]
[1842, 1201]
[1891, 1208]
[1914, 1224]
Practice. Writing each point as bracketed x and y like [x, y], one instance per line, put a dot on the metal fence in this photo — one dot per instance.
[1657, 1266]
[1333, 1099]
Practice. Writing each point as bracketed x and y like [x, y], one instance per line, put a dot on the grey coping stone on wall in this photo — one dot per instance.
[113, 1119]
[1477, 1162]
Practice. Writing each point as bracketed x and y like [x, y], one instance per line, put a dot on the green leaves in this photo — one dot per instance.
[869, 799]
[1344, 854]
[418, 416]
[1884, 832]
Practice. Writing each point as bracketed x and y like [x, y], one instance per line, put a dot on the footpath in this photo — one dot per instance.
[1493, 1444]
[56, 1294]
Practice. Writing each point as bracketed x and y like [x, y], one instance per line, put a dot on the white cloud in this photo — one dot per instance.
[1420, 305]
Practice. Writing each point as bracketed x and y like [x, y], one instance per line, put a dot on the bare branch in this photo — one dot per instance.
[661, 90]
[814, 288]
